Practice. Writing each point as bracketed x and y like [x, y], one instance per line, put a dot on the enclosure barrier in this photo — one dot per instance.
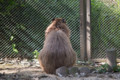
[94, 25]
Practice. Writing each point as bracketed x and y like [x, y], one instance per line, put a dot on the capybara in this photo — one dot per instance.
[57, 49]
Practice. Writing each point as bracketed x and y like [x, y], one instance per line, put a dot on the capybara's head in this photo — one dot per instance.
[58, 24]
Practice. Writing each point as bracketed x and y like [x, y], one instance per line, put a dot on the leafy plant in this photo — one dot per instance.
[116, 69]
[105, 22]
[35, 53]
[13, 45]
[11, 38]
[103, 68]
[14, 48]
[106, 68]
[6, 6]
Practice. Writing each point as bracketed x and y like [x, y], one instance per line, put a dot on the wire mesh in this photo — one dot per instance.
[22, 25]
[105, 23]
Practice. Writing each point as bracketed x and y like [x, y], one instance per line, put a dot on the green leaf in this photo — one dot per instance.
[11, 38]
[13, 45]
[1, 0]
[22, 27]
[22, 5]
[36, 53]
[15, 50]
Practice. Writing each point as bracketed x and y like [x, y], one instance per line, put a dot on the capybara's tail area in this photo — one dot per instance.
[50, 70]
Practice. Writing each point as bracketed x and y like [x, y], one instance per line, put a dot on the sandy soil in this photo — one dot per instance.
[35, 73]
[25, 70]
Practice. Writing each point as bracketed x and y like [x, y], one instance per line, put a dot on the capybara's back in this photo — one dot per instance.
[57, 51]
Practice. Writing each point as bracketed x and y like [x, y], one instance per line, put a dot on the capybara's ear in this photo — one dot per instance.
[53, 19]
[63, 20]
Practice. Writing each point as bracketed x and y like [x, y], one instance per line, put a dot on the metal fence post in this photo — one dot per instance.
[88, 29]
[83, 30]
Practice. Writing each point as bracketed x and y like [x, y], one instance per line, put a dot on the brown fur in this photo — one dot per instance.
[57, 50]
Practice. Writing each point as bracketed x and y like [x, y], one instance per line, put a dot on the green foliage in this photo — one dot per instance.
[35, 53]
[103, 68]
[106, 68]
[19, 26]
[116, 69]
[6, 6]
[105, 18]
[14, 48]
[24, 23]
[11, 38]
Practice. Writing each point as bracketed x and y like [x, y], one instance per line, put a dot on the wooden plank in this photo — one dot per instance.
[99, 60]
[102, 60]
[88, 29]
[83, 30]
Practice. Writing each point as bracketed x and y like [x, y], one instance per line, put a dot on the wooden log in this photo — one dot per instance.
[111, 57]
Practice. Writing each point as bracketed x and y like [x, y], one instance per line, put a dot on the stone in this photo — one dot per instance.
[2, 62]
[92, 70]
[84, 70]
[83, 74]
[73, 70]
[62, 71]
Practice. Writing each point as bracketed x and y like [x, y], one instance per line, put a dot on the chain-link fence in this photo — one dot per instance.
[22, 25]
[105, 27]
[23, 22]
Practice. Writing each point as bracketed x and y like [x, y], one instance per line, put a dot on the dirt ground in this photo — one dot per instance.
[25, 70]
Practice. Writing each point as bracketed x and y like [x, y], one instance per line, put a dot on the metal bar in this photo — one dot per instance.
[88, 29]
[83, 30]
